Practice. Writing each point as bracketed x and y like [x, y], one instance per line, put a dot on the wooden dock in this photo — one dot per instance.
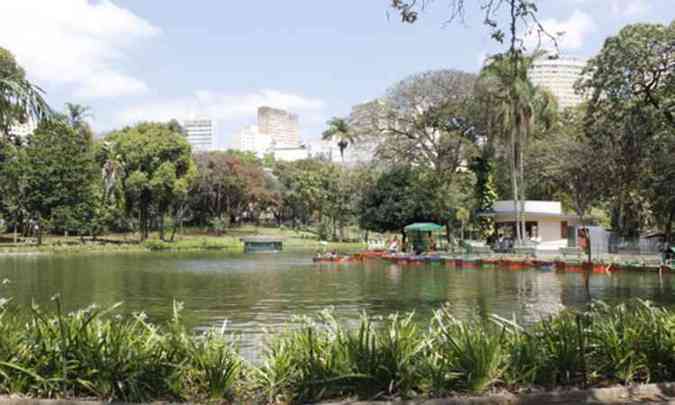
[262, 244]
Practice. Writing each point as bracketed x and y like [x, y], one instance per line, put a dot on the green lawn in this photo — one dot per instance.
[191, 240]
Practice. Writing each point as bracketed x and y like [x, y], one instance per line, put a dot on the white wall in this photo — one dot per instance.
[549, 230]
[290, 155]
[535, 207]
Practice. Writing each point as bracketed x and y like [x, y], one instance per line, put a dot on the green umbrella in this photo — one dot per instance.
[423, 227]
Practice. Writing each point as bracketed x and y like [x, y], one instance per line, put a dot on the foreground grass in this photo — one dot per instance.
[98, 353]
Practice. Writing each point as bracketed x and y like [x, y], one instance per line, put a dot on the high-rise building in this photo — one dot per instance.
[199, 134]
[281, 125]
[252, 140]
[559, 75]
[277, 131]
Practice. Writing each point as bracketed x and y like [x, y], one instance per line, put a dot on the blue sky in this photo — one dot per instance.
[150, 59]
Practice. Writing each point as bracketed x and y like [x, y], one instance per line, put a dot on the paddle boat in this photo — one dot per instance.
[334, 259]
[413, 259]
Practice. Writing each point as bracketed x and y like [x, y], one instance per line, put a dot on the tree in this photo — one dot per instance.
[20, 100]
[77, 115]
[569, 160]
[13, 184]
[635, 67]
[484, 191]
[303, 190]
[158, 168]
[659, 185]
[60, 175]
[227, 185]
[520, 14]
[631, 85]
[423, 120]
[338, 129]
[521, 105]
[398, 198]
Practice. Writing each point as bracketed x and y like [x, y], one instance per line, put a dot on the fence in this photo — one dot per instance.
[605, 242]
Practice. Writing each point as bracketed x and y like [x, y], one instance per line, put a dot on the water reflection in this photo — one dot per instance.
[257, 292]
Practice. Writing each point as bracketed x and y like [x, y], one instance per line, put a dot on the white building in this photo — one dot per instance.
[325, 150]
[200, 133]
[252, 140]
[545, 222]
[290, 153]
[276, 131]
[281, 125]
[559, 75]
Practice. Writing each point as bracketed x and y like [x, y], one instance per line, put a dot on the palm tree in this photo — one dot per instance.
[20, 100]
[521, 105]
[338, 128]
[76, 114]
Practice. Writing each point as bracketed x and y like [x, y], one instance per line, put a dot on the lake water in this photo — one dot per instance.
[254, 292]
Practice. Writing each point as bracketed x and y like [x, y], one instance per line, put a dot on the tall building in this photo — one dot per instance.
[559, 75]
[199, 134]
[277, 132]
[282, 126]
[252, 140]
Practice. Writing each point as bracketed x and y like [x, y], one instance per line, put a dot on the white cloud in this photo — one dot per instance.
[573, 31]
[76, 43]
[624, 8]
[630, 8]
[218, 106]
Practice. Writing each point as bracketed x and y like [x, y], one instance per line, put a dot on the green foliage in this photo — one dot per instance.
[59, 174]
[397, 199]
[99, 353]
[631, 121]
[20, 100]
[192, 244]
[95, 352]
[158, 168]
[473, 352]
[323, 359]
[339, 130]
[227, 185]
[484, 192]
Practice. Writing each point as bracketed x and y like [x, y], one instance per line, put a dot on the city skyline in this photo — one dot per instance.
[132, 61]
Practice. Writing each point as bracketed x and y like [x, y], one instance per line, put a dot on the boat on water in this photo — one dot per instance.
[412, 259]
[334, 259]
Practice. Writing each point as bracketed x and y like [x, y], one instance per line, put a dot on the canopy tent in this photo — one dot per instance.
[423, 227]
[420, 236]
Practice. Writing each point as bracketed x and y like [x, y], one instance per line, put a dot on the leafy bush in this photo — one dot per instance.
[95, 353]
[99, 353]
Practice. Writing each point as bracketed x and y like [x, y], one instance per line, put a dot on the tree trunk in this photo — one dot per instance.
[669, 229]
[335, 229]
[174, 228]
[521, 179]
[514, 184]
[161, 226]
[39, 231]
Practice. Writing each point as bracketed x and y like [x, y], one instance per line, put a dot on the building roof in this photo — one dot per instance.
[546, 209]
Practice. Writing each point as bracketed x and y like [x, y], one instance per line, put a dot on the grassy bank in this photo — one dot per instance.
[99, 353]
[191, 240]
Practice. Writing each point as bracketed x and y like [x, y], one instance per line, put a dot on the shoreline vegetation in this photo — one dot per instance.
[106, 354]
[192, 240]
